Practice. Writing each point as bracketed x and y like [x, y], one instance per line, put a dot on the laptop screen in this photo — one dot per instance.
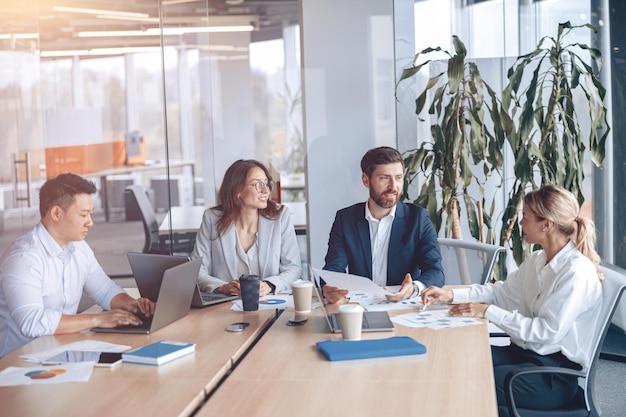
[148, 269]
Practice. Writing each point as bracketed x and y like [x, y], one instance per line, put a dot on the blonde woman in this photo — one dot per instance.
[548, 306]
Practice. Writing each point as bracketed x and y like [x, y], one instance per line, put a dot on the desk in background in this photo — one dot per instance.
[161, 165]
[298, 212]
[173, 389]
[188, 219]
[285, 375]
[184, 219]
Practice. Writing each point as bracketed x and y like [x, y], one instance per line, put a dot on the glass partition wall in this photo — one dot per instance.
[496, 32]
[348, 49]
[168, 93]
[162, 94]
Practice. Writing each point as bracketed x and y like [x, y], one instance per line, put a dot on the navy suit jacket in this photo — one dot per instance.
[413, 245]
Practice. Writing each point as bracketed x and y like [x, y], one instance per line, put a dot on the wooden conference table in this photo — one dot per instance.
[281, 375]
[173, 389]
[285, 375]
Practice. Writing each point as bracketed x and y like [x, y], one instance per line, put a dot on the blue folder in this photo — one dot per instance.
[343, 350]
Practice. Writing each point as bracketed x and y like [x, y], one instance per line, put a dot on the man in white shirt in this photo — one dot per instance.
[44, 272]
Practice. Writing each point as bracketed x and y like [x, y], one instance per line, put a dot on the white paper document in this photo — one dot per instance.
[83, 346]
[434, 319]
[56, 374]
[364, 291]
[352, 283]
[268, 302]
[497, 336]
[377, 302]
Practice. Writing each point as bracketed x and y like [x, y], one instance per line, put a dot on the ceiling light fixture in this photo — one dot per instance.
[19, 36]
[133, 18]
[99, 12]
[166, 31]
[99, 51]
[171, 2]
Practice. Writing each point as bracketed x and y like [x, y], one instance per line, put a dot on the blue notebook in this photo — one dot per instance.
[343, 350]
[158, 353]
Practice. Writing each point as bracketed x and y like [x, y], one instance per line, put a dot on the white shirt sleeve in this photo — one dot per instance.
[40, 282]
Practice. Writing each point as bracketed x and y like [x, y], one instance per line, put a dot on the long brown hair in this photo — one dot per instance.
[561, 207]
[233, 183]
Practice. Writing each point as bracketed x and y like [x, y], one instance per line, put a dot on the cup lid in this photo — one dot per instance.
[350, 308]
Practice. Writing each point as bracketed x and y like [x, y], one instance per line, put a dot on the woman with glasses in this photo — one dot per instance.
[247, 233]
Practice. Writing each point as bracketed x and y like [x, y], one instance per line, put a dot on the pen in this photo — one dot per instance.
[425, 304]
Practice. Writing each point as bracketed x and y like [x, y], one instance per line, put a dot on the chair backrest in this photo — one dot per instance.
[148, 217]
[466, 262]
[612, 289]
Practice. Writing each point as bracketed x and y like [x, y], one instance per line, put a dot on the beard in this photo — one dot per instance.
[386, 199]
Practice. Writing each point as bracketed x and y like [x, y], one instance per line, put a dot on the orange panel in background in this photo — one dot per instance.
[79, 159]
[87, 159]
[64, 159]
[119, 154]
[97, 157]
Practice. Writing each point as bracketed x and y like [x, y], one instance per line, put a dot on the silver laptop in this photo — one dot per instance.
[373, 321]
[148, 269]
[174, 300]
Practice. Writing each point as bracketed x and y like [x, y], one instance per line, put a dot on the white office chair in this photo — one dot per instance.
[466, 262]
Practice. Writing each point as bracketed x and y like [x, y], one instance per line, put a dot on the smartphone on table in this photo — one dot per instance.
[102, 359]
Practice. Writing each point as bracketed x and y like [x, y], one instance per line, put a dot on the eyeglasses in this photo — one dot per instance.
[260, 186]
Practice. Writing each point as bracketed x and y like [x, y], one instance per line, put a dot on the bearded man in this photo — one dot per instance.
[384, 239]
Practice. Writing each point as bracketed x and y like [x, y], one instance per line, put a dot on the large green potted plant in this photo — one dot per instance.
[466, 143]
[547, 140]
[536, 116]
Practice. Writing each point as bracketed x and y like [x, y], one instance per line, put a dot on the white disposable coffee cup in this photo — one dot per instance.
[302, 292]
[351, 320]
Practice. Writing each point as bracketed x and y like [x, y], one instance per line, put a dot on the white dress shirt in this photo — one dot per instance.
[247, 262]
[277, 252]
[39, 282]
[545, 308]
[380, 232]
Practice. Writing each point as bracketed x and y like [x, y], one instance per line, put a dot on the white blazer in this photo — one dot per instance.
[279, 255]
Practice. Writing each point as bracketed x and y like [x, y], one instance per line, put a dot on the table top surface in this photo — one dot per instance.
[148, 166]
[172, 389]
[285, 375]
[186, 219]
[276, 367]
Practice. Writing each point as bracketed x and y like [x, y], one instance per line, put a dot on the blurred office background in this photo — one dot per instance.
[168, 93]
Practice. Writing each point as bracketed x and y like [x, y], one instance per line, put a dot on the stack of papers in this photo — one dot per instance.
[158, 353]
[434, 319]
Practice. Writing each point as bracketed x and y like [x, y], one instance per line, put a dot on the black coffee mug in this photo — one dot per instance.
[250, 285]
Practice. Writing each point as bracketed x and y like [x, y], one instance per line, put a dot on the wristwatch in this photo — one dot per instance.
[272, 286]
[416, 290]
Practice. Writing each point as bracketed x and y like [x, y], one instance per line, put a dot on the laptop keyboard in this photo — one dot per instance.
[146, 322]
[208, 297]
